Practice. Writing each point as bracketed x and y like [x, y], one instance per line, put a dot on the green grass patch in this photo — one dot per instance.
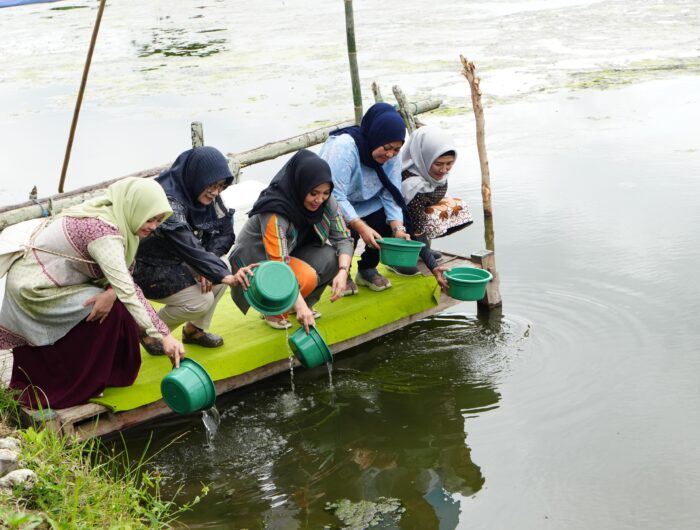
[82, 484]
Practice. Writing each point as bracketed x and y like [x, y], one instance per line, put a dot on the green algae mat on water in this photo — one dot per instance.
[249, 343]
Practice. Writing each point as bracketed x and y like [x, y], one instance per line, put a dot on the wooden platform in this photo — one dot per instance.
[92, 419]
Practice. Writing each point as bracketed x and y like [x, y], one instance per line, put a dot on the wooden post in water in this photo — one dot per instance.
[377, 92]
[197, 134]
[352, 57]
[79, 101]
[404, 110]
[487, 258]
[469, 72]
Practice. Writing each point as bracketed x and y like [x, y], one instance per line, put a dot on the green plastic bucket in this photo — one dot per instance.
[273, 288]
[188, 388]
[396, 252]
[467, 283]
[311, 349]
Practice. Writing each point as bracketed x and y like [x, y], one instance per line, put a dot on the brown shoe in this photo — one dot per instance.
[201, 338]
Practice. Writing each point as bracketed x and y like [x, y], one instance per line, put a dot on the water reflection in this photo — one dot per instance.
[393, 425]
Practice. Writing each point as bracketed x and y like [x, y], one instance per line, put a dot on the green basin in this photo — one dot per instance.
[311, 349]
[273, 288]
[396, 252]
[188, 388]
[467, 283]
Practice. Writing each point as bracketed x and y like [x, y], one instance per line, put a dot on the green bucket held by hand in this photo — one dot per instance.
[397, 252]
[188, 388]
[467, 283]
[311, 349]
[273, 288]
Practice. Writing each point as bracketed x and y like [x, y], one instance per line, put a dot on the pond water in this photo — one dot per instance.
[578, 405]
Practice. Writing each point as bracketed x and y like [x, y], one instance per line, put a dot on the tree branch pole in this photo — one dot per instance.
[377, 92]
[352, 58]
[79, 101]
[469, 72]
[404, 109]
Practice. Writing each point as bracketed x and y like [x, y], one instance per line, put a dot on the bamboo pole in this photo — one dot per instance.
[17, 213]
[352, 58]
[79, 101]
[404, 110]
[469, 72]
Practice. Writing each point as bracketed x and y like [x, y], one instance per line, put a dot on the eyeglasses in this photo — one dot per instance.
[389, 148]
[218, 187]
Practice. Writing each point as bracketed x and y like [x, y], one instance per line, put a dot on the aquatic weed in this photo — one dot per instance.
[364, 514]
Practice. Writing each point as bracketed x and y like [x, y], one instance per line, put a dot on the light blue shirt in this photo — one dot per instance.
[356, 187]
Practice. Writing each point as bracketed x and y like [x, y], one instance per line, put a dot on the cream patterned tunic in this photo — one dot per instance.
[72, 260]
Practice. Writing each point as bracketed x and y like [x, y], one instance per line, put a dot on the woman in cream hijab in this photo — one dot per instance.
[72, 314]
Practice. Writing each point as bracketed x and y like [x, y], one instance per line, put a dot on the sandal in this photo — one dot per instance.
[278, 322]
[201, 338]
[372, 279]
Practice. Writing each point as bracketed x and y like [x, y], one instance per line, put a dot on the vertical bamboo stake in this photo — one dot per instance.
[468, 72]
[377, 93]
[79, 101]
[352, 58]
[197, 134]
[404, 109]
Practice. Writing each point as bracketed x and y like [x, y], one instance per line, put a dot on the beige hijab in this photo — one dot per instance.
[127, 205]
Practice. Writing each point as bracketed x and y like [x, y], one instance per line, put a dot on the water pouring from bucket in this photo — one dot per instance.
[311, 349]
[188, 388]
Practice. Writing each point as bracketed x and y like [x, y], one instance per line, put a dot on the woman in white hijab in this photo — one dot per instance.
[426, 161]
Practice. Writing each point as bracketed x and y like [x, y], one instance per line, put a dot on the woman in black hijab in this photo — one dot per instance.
[296, 220]
[180, 265]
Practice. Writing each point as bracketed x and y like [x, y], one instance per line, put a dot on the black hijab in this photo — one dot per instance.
[287, 190]
[192, 172]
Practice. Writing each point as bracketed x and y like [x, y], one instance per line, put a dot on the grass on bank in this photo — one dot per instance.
[81, 484]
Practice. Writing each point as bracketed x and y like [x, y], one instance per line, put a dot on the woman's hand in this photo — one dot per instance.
[339, 284]
[400, 234]
[440, 277]
[242, 277]
[305, 315]
[205, 284]
[173, 349]
[101, 305]
[368, 234]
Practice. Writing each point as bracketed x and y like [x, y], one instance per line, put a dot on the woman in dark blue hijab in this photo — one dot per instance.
[367, 183]
[180, 264]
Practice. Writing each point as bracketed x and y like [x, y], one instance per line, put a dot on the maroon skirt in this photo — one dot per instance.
[79, 366]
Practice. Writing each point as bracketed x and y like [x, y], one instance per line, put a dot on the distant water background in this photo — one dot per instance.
[578, 407]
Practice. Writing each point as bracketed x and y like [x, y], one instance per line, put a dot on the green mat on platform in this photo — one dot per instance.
[249, 343]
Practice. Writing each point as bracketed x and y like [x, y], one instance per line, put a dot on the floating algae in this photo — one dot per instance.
[365, 514]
